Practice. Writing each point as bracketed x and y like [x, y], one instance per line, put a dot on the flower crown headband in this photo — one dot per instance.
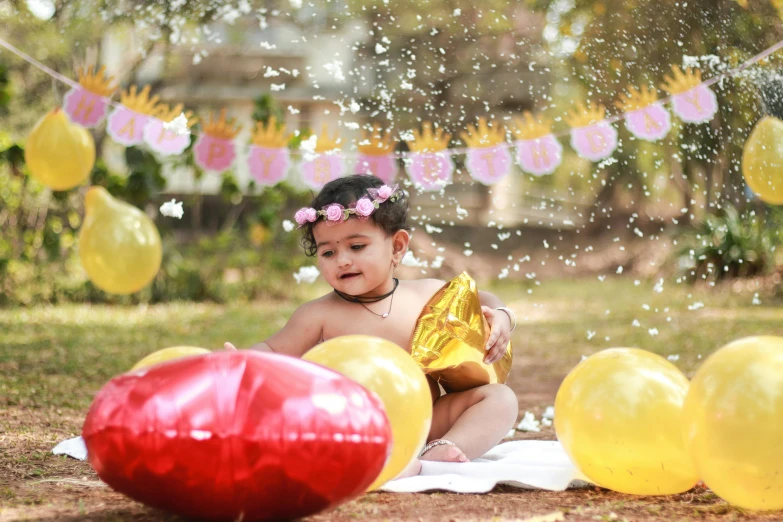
[336, 213]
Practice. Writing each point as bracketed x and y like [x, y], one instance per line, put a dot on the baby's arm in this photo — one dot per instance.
[499, 323]
[301, 332]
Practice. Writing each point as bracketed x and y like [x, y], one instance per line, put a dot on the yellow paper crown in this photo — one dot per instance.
[636, 99]
[326, 144]
[376, 143]
[140, 102]
[168, 114]
[584, 115]
[484, 136]
[97, 82]
[531, 127]
[681, 81]
[270, 136]
[221, 127]
[427, 141]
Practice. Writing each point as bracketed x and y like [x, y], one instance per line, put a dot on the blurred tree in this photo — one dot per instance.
[609, 45]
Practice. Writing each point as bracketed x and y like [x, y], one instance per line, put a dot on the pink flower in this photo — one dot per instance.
[303, 215]
[311, 214]
[334, 212]
[364, 207]
[385, 192]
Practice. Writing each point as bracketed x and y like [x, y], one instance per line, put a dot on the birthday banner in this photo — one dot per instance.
[140, 120]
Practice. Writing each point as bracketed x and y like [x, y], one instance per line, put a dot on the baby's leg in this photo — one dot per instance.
[474, 420]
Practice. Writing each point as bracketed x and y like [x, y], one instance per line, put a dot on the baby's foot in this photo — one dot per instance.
[413, 469]
[445, 453]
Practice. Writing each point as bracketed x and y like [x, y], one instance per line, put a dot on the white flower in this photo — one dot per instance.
[306, 274]
[178, 125]
[172, 209]
[529, 423]
[288, 226]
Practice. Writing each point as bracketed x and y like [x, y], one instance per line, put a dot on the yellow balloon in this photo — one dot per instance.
[733, 424]
[59, 154]
[168, 354]
[388, 370]
[762, 160]
[618, 416]
[118, 244]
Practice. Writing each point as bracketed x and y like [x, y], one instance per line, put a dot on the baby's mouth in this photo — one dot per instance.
[349, 276]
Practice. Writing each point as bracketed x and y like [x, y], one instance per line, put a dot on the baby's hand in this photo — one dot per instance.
[499, 333]
[229, 346]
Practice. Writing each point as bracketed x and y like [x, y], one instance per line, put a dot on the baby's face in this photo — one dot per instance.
[354, 256]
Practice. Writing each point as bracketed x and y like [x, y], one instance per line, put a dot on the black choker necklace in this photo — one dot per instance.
[372, 299]
[362, 300]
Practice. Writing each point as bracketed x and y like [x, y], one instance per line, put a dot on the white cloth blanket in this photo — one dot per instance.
[527, 464]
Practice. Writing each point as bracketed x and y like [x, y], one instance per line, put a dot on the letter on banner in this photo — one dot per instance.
[596, 142]
[268, 166]
[215, 150]
[322, 169]
[540, 156]
[488, 165]
[126, 127]
[692, 101]
[431, 170]
[162, 141]
[87, 104]
[384, 167]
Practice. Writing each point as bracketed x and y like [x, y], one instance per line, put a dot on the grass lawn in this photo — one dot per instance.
[54, 359]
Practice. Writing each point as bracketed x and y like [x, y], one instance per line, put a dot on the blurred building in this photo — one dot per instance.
[310, 70]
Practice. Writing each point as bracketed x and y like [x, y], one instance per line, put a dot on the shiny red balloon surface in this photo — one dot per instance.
[237, 435]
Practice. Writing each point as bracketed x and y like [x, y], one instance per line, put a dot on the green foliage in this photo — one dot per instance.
[732, 244]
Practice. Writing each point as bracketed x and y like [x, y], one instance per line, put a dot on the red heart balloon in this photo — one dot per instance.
[237, 435]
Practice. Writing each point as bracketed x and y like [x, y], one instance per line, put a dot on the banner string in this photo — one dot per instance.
[451, 151]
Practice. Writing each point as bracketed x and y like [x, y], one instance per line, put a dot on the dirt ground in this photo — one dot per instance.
[72, 491]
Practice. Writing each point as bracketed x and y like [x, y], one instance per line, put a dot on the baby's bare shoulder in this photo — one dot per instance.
[425, 286]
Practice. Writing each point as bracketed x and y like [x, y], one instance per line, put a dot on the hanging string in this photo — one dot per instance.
[452, 151]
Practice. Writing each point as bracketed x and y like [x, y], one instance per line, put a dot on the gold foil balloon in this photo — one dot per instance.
[119, 244]
[762, 160]
[733, 424]
[59, 154]
[386, 369]
[450, 335]
[168, 354]
[618, 415]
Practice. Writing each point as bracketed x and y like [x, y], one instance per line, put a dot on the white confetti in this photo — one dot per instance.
[653, 332]
[756, 300]
[306, 274]
[288, 226]
[379, 49]
[673, 357]
[172, 209]
[529, 423]
[278, 86]
[590, 334]
[178, 125]
[410, 260]
[696, 305]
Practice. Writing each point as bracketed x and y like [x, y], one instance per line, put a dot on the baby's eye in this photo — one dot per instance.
[327, 253]
[357, 247]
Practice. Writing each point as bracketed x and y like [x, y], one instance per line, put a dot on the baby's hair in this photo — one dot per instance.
[390, 216]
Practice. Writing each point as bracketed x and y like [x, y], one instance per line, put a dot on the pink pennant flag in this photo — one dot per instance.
[595, 142]
[214, 154]
[651, 123]
[85, 107]
[431, 170]
[162, 141]
[381, 166]
[488, 165]
[698, 105]
[126, 127]
[322, 169]
[540, 156]
[268, 166]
